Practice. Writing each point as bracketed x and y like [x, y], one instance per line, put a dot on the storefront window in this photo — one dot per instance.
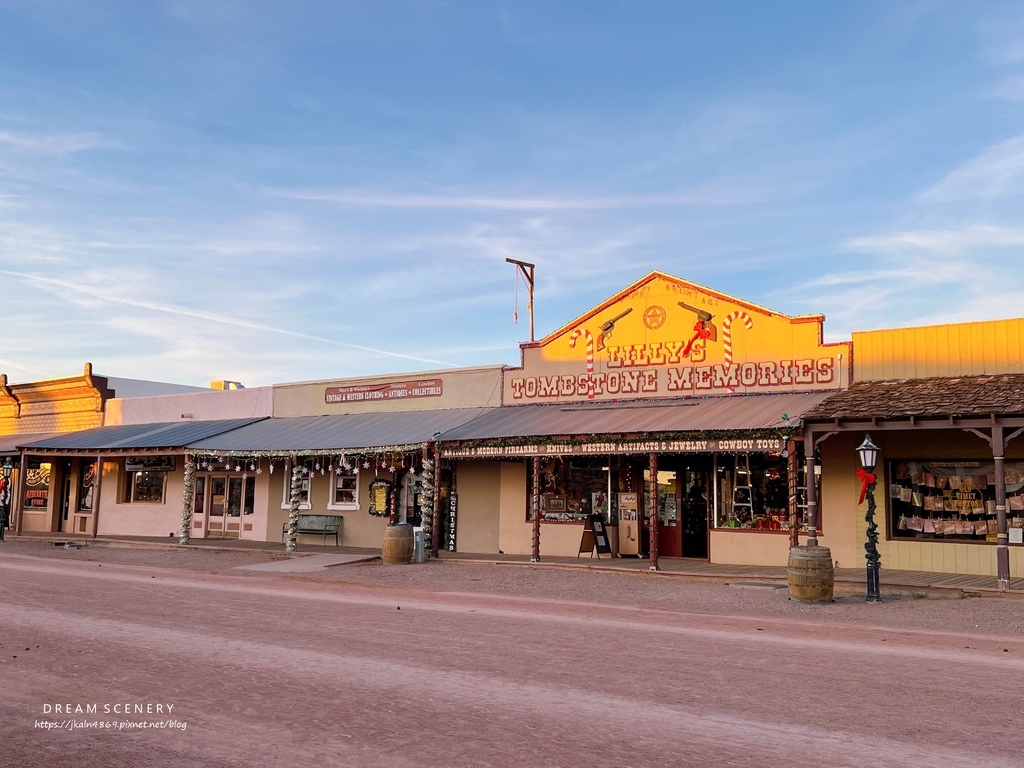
[144, 487]
[952, 500]
[85, 488]
[37, 485]
[344, 489]
[752, 492]
[667, 505]
[573, 487]
[286, 486]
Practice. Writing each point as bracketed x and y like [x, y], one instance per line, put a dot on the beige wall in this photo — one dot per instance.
[198, 406]
[749, 547]
[358, 528]
[958, 349]
[116, 519]
[461, 388]
[480, 487]
[843, 519]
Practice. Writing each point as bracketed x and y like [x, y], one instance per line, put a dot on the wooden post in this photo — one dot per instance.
[98, 482]
[652, 504]
[1002, 535]
[535, 510]
[19, 491]
[812, 491]
[792, 472]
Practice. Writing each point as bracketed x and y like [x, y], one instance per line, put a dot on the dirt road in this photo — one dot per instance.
[439, 665]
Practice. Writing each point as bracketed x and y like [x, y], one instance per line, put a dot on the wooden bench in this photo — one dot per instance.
[325, 524]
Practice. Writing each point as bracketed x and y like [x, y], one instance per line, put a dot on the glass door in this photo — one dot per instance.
[696, 509]
[199, 508]
[670, 529]
[233, 517]
[215, 525]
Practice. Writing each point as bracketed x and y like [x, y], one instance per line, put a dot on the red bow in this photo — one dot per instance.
[866, 479]
[701, 333]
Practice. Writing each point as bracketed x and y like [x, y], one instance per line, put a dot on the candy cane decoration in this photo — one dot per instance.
[590, 357]
[748, 323]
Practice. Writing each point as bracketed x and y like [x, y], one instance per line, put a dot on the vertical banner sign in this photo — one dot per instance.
[453, 505]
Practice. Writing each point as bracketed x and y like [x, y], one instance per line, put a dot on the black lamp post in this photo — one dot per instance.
[868, 454]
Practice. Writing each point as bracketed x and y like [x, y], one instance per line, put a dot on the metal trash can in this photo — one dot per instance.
[419, 554]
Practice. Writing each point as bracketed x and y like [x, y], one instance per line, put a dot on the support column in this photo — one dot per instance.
[1002, 536]
[98, 482]
[535, 510]
[812, 494]
[652, 506]
[19, 491]
[187, 500]
[793, 482]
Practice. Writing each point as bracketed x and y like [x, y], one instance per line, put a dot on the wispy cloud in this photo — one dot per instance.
[1008, 89]
[52, 144]
[77, 291]
[947, 241]
[364, 198]
[996, 172]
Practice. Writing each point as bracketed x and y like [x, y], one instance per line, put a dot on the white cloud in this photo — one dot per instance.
[364, 198]
[1002, 40]
[1009, 89]
[104, 293]
[52, 144]
[996, 172]
[944, 241]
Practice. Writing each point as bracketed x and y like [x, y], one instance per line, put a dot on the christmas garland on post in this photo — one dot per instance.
[187, 499]
[293, 511]
[427, 506]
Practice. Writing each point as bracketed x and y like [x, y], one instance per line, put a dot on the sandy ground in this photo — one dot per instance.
[450, 664]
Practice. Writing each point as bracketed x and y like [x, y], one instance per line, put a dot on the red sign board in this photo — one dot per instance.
[395, 390]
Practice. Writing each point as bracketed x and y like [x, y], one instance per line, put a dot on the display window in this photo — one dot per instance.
[143, 487]
[573, 487]
[952, 500]
[37, 485]
[344, 488]
[86, 485]
[752, 492]
[304, 479]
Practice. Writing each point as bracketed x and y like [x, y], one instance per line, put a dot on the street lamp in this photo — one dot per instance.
[868, 455]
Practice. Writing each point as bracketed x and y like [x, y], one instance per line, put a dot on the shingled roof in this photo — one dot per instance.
[939, 397]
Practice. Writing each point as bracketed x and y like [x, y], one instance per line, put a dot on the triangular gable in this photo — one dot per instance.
[667, 337]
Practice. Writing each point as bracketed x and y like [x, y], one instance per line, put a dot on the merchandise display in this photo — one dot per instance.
[951, 499]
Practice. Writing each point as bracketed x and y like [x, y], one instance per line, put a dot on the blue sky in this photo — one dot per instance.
[271, 192]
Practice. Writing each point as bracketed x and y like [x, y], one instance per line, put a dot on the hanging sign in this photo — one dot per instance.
[453, 506]
[599, 447]
[149, 464]
[395, 390]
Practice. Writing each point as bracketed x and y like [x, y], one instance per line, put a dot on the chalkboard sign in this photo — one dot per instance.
[595, 536]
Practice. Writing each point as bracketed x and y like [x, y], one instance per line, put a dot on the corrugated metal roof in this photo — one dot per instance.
[712, 414]
[341, 432]
[127, 437]
[10, 443]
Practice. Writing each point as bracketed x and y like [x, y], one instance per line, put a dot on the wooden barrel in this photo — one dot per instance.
[398, 542]
[811, 575]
